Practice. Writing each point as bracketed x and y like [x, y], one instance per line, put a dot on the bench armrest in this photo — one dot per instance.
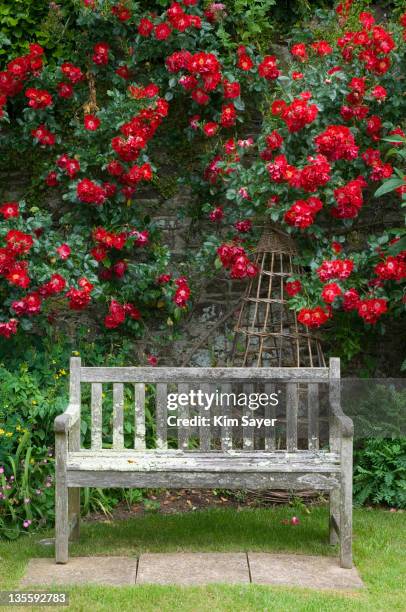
[345, 424]
[65, 421]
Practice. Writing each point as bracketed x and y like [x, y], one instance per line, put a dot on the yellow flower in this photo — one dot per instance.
[34, 402]
[2, 432]
[9, 434]
[18, 428]
[75, 353]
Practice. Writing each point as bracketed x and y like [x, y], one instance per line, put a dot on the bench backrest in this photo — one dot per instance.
[138, 400]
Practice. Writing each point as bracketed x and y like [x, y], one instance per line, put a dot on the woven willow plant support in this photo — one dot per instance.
[267, 333]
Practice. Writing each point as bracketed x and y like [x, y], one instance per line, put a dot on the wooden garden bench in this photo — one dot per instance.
[251, 459]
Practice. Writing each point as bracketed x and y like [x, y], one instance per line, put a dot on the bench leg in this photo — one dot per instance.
[74, 512]
[61, 522]
[61, 500]
[334, 514]
[346, 504]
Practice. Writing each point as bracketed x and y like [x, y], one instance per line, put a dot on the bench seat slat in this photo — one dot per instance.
[207, 480]
[232, 462]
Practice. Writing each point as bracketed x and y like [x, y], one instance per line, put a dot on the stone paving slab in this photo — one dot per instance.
[302, 570]
[110, 571]
[193, 568]
[187, 569]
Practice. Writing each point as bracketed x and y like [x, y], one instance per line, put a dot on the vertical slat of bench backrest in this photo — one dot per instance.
[183, 413]
[205, 431]
[118, 416]
[292, 400]
[161, 415]
[96, 408]
[226, 430]
[269, 413]
[248, 432]
[334, 397]
[313, 416]
[75, 398]
[139, 413]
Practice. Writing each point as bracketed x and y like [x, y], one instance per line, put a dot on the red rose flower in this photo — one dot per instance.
[243, 226]
[145, 27]
[71, 72]
[322, 48]
[44, 136]
[9, 210]
[231, 89]
[101, 54]
[91, 122]
[120, 268]
[371, 309]
[337, 142]
[330, 292]
[293, 287]
[217, 214]
[18, 276]
[63, 251]
[8, 329]
[267, 68]
[52, 179]
[56, 284]
[313, 317]
[299, 51]
[18, 242]
[164, 278]
[78, 298]
[351, 299]
[337, 268]
[90, 192]
[245, 62]
[121, 12]
[65, 90]
[162, 31]
[228, 115]
[210, 128]
[38, 98]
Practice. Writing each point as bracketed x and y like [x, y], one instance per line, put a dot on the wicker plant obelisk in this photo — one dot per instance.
[267, 333]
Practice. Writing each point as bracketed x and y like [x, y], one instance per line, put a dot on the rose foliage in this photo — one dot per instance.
[330, 138]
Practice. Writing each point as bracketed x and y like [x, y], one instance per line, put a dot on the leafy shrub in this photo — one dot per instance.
[330, 136]
[26, 477]
[30, 20]
[380, 472]
[33, 391]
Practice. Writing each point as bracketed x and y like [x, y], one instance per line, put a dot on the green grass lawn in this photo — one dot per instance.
[379, 553]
